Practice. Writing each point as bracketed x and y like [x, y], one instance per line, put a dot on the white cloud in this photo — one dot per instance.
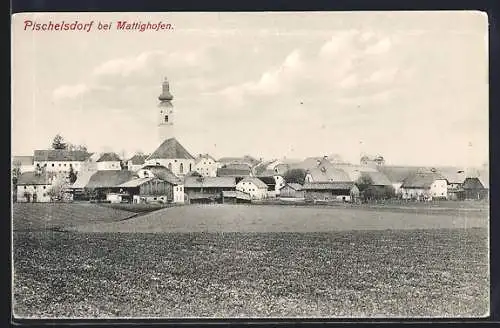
[69, 91]
[380, 47]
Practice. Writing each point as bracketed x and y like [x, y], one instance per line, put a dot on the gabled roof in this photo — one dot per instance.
[209, 182]
[136, 182]
[83, 178]
[138, 159]
[109, 157]
[328, 174]
[60, 155]
[294, 186]
[170, 149]
[31, 178]
[421, 180]
[256, 181]
[23, 160]
[163, 173]
[247, 159]
[204, 156]
[109, 179]
[453, 174]
[268, 180]
[396, 174]
[377, 178]
[328, 186]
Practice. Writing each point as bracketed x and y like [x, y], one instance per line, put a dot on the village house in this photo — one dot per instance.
[172, 155]
[145, 190]
[102, 183]
[136, 162]
[331, 191]
[60, 160]
[33, 187]
[274, 183]
[23, 163]
[235, 197]
[375, 185]
[475, 189]
[254, 186]
[164, 174]
[208, 189]
[292, 190]
[206, 165]
[108, 161]
[455, 177]
[425, 185]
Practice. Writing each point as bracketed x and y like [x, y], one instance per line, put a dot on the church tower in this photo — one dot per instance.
[165, 113]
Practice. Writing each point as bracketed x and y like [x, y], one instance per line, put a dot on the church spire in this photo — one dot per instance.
[165, 95]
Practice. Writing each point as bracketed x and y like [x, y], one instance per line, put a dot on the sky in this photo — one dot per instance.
[410, 86]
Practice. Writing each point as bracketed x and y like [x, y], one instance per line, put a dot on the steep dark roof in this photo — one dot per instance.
[109, 179]
[109, 157]
[270, 181]
[30, 178]
[61, 155]
[377, 178]
[209, 182]
[421, 180]
[473, 183]
[138, 159]
[163, 173]
[170, 149]
[328, 185]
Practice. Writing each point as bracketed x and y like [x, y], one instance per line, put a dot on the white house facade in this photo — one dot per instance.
[60, 160]
[253, 186]
[206, 165]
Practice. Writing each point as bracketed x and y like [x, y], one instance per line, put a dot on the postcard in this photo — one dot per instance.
[250, 165]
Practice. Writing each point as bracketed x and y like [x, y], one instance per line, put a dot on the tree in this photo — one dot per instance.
[72, 175]
[56, 191]
[74, 147]
[295, 176]
[58, 142]
[364, 182]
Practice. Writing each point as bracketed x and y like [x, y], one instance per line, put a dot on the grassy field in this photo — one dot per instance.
[266, 218]
[42, 216]
[250, 261]
[338, 274]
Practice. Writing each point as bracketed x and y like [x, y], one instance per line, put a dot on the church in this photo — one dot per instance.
[170, 153]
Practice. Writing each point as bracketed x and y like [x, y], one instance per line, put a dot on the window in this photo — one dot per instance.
[64, 164]
[181, 168]
[24, 187]
[44, 187]
[34, 187]
[190, 166]
[59, 164]
[170, 166]
[44, 195]
[154, 198]
[52, 164]
[166, 118]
